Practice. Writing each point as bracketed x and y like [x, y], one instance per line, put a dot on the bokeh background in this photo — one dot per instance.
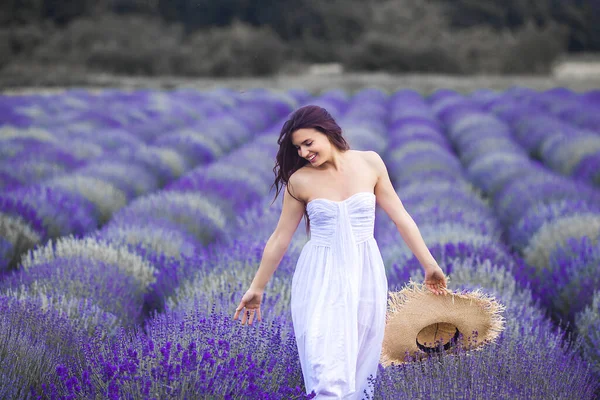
[294, 42]
[137, 145]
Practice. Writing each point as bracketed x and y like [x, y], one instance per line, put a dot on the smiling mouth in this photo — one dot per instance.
[311, 159]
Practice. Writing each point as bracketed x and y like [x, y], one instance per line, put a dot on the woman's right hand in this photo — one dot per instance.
[251, 301]
[435, 280]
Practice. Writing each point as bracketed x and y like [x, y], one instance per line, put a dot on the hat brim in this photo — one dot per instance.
[414, 310]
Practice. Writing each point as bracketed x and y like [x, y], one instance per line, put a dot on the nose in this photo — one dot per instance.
[303, 152]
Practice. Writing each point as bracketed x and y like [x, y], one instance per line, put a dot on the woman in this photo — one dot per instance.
[339, 288]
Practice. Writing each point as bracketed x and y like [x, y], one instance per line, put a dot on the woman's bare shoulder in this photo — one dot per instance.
[300, 174]
[370, 156]
[297, 181]
[374, 160]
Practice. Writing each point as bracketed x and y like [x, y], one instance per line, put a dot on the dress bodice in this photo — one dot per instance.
[327, 217]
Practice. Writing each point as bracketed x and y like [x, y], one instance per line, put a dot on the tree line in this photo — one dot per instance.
[453, 36]
[292, 19]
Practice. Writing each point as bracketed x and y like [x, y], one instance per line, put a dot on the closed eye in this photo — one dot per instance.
[307, 145]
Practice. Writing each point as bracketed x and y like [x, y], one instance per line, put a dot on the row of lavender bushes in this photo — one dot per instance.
[217, 290]
[189, 350]
[202, 306]
[102, 152]
[50, 135]
[194, 347]
[558, 127]
[580, 109]
[464, 235]
[92, 286]
[551, 220]
[234, 252]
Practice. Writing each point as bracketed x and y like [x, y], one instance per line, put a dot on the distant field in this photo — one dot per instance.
[351, 82]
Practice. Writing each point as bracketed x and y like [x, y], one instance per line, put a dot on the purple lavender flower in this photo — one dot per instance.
[30, 172]
[493, 170]
[130, 178]
[115, 139]
[193, 213]
[14, 207]
[195, 147]
[61, 212]
[85, 278]
[534, 188]
[224, 184]
[537, 215]
[32, 343]
[147, 157]
[434, 160]
[568, 284]
[588, 326]
[8, 182]
[514, 356]
[27, 151]
[410, 132]
[588, 169]
[7, 253]
[197, 354]
[106, 197]
[159, 237]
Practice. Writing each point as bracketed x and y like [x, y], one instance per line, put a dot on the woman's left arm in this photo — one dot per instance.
[388, 200]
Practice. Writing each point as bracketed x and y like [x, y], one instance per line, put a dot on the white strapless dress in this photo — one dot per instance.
[339, 299]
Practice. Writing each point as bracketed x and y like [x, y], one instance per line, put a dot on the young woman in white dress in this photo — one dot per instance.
[339, 288]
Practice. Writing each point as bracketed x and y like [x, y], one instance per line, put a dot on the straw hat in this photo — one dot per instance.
[419, 322]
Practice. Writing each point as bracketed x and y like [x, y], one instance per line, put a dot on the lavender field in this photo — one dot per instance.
[132, 222]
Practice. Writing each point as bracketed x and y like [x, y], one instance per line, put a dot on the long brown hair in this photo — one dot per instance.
[288, 161]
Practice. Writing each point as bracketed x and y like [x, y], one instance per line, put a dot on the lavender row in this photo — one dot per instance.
[464, 236]
[173, 226]
[54, 134]
[179, 140]
[164, 213]
[551, 220]
[214, 289]
[84, 199]
[212, 294]
[189, 128]
[580, 109]
[186, 340]
[188, 344]
[560, 143]
[255, 223]
[487, 274]
[92, 285]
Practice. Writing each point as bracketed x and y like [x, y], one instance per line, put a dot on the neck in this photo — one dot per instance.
[336, 162]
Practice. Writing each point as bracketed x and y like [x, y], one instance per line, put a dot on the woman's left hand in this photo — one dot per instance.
[251, 301]
[435, 280]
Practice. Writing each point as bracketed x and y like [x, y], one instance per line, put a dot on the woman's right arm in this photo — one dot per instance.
[279, 241]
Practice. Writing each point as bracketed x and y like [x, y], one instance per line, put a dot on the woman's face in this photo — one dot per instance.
[311, 145]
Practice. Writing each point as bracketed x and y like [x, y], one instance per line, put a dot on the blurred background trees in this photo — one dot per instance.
[239, 37]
